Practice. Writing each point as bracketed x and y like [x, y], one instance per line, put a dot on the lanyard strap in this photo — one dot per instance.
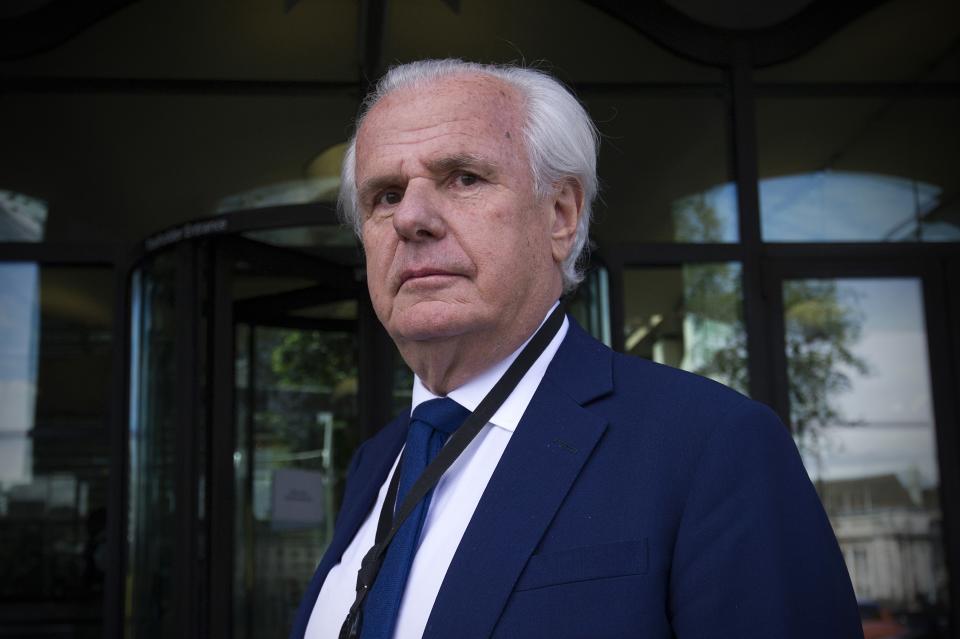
[389, 523]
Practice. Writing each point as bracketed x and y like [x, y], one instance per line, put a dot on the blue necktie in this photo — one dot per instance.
[430, 425]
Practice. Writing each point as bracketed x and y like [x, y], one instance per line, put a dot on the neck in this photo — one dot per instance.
[446, 364]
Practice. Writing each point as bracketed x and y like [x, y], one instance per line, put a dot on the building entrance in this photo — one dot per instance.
[247, 360]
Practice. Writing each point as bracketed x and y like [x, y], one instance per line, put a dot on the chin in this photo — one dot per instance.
[426, 322]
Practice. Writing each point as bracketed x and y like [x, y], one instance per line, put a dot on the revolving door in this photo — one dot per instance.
[256, 364]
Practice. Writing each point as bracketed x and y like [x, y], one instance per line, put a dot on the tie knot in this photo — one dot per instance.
[441, 413]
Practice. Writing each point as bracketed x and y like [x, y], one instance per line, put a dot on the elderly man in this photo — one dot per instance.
[586, 493]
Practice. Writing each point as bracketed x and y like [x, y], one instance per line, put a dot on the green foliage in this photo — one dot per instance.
[298, 375]
[314, 359]
[822, 325]
[696, 220]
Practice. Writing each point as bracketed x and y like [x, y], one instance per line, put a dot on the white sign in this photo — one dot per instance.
[298, 497]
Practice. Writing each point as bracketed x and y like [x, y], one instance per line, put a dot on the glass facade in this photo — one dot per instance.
[296, 431]
[862, 416]
[859, 169]
[689, 317]
[811, 187]
[56, 342]
[664, 168]
[22, 218]
[152, 508]
[898, 41]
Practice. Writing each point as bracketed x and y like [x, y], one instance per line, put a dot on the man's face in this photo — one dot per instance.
[456, 240]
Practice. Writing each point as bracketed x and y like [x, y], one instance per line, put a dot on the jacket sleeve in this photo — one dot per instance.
[755, 556]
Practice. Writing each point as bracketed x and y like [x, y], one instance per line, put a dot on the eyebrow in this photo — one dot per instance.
[441, 165]
[374, 185]
[460, 161]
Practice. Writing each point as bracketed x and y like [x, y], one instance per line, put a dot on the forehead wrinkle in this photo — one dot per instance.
[391, 136]
[384, 129]
[473, 151]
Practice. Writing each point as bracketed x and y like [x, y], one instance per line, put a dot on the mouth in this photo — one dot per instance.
[425, 275]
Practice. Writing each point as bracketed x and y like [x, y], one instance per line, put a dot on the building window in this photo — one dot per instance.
[56, 346]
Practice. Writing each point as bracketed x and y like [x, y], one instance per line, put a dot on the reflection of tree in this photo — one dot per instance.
[312, 371]
[312, 358]
[695, 219]
[822, 325]
[712, 298]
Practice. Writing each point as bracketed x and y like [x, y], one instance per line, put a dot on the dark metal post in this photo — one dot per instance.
[941, 295]
[113, 588]
[375, 391]
[221, 334]
[748, 201]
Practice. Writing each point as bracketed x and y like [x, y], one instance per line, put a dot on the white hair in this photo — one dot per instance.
[560, 137]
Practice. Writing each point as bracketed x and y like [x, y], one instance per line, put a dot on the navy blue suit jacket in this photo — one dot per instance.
[633, 500]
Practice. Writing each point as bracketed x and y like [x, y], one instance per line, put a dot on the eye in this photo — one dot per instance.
[389, 198]
[467, 179]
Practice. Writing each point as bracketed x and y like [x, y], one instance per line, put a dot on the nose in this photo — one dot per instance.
[418, 217]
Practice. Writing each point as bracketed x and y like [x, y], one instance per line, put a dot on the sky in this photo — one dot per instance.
[18, 367]
[892, 401]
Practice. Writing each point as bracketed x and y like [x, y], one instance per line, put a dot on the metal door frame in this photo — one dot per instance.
[941, 325]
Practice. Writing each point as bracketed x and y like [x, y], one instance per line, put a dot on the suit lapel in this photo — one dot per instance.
[552, 442]
[373, 473]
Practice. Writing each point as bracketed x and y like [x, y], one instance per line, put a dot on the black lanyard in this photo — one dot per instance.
[389, 524]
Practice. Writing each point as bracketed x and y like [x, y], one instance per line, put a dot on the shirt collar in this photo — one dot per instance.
[472, 393]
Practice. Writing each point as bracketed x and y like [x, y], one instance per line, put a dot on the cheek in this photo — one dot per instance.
[377, 266]
[377, 270]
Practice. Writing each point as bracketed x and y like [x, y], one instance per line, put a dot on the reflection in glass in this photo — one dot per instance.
[859, 170]
[310, 189]
[884, 44]
[19, 293]
[709, 216]
[665, 171]
[841, 206]
[296, 431]
[55, 356]
[320, 184]
[22, 218]
[862, 418]
[689, 317]
[152, 459]
[306, 236]
[238, 142]
[294, 40]
[590, 304]
[538, 32]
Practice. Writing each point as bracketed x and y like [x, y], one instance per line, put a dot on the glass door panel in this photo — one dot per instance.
[56, 341]
[296, 376]
[862, 417]
[153, 458]
[243, 417]
[689, 317]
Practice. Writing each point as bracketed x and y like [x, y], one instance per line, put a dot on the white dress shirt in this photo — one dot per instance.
[454, 499]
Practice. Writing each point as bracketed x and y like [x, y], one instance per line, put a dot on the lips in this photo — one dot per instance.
[423, 273]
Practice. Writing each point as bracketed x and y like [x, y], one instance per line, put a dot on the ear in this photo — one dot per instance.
[567, 208]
